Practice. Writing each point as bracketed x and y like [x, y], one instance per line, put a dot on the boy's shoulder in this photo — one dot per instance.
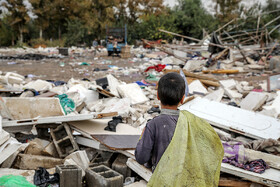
[156, 120]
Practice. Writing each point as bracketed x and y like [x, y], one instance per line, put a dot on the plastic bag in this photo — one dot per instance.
[14, 181]
[67, 104]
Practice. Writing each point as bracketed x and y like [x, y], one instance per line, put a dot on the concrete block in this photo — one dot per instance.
[120, 166]
[103, 176]
[197, 87]
[253, 101]
[69, 176]
[63, 140]
[230, 83]
[34, 161]
[134, 92]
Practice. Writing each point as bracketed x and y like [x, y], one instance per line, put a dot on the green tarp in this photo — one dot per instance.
[193, 157]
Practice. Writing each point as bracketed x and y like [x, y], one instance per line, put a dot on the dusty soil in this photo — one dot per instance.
[69, 67]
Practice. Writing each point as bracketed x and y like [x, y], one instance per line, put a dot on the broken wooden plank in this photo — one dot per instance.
[222, 71]
[271, 177]
[141, 170]
[26, 124]
[231, 118]
[90, 143]
[118, 142]
[125, 137]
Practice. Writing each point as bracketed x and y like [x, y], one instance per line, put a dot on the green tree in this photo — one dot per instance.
[191, 18]
[226, 10]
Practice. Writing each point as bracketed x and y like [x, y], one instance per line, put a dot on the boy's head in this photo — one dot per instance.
[171, 89]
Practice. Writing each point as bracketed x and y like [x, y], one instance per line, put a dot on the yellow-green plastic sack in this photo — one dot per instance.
[193, 157]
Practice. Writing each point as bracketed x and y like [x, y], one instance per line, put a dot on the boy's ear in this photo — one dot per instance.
[157, 95]
[182, 100]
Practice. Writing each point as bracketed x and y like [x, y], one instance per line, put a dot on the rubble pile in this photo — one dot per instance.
[88, 129]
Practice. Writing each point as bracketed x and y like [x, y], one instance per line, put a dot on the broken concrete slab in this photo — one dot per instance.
[253, 101]
[275, 105]
[9, 148]
[121, 106]
[233, 94]
[25, 161]
[272, 113]
[229, 84]
[193, 65]
[4, 111]
[197, 87]
[80, 158]
[26, 108]
[113, 83]
[4, 136]
[36, 146]
[8, 163]
[216, 95]
[231, 118]
[50, 150]
[134, 92]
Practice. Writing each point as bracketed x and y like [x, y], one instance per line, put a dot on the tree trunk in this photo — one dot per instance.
[59, 33]
[13, 40]
[20, 35]
[41, 33]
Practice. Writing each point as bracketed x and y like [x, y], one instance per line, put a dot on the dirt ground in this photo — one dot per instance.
[69, 67]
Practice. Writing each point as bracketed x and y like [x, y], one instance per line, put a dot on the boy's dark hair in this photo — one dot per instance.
[171, 89]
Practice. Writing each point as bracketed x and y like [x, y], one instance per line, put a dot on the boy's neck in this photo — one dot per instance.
[172, 107]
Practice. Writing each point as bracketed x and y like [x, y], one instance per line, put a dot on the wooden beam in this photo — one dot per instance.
[189, 38]
[229, 182]
[144, 172]
[189, 74]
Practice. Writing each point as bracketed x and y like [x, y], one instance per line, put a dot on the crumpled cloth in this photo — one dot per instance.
[193, 157]
[257, 166]
[235, 155]
[158, 67]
